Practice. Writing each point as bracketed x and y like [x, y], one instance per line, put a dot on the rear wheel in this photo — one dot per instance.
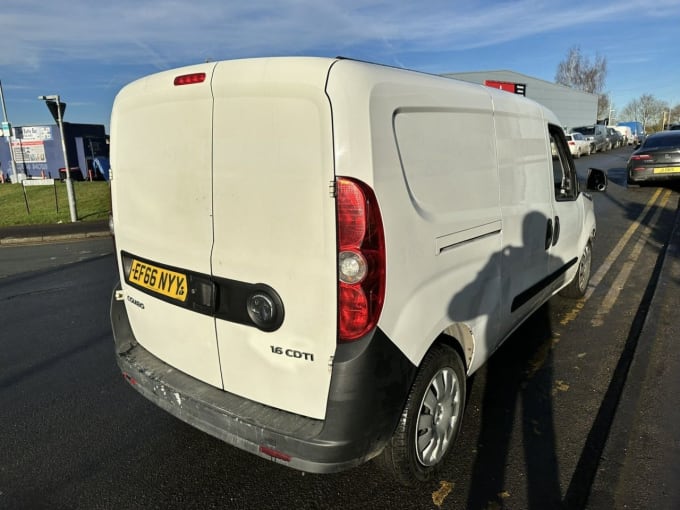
[578, 286]
[431, 419]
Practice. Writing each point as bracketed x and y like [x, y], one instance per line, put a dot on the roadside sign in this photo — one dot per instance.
[52, 106]
[39, 182]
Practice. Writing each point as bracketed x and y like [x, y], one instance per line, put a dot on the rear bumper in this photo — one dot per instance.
[648, 175]
[370, 382]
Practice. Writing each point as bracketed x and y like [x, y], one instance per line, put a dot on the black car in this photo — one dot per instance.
[614, 138]
[657, 159]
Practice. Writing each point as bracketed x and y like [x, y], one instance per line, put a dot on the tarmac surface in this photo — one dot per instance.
[640, 465]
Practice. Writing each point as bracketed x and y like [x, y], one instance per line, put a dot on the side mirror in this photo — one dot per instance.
[597, 180]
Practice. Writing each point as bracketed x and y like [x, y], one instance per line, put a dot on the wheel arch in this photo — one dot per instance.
[459, 336]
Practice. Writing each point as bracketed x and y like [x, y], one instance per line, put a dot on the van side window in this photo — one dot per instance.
[564, 172]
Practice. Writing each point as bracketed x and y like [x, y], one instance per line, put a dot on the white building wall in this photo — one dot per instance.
[572, 107]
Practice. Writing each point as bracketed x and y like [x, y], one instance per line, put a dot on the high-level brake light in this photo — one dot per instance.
[190, 79]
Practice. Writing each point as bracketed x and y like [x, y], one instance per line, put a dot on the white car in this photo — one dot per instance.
[578, 145]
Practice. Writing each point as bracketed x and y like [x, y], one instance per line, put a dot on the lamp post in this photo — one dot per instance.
[56, 108]
[9, 136]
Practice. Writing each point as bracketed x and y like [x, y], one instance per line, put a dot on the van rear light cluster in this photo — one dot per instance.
[361, 259]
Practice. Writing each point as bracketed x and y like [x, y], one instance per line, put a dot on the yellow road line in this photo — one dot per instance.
[609, 261]
[621, 279]
[614, 254]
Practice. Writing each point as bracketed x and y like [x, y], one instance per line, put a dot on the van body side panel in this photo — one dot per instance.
[569, 243]
[275, 224]
[526, 203]
[158, 217]
[407, 135]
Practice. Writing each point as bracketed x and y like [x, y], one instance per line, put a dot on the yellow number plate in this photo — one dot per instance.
[163, 281]
[667, 170]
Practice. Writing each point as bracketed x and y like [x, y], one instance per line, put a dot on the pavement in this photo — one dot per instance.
[640, 462]
[32, 234]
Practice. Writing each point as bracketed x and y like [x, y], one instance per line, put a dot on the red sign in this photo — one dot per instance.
[515, 88]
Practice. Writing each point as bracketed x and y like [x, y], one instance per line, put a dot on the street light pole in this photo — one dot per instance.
[69, 184]
[9, 137]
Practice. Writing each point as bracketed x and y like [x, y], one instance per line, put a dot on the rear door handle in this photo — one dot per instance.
[549, 234]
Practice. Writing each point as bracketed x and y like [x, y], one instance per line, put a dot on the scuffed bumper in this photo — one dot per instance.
[369, 386]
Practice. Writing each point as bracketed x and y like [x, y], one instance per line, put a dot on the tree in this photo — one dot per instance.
[647, 109]
[576, 71]
[603, 106]
[675, 114]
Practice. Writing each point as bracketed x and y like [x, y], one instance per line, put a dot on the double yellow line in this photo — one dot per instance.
[623, 275]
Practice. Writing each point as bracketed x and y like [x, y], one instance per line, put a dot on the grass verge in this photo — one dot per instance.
[93, 202]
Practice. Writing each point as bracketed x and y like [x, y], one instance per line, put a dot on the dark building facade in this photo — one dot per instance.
[37, 150]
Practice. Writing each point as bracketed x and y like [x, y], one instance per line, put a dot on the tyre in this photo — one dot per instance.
[430, 421]
[578, 286]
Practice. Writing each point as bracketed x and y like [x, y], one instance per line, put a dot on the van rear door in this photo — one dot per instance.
[161, 133]
[274, 228]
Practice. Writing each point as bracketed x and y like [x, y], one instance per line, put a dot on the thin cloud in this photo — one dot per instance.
[164, 33]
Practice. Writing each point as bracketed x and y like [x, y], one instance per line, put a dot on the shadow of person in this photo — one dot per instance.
[518, 378]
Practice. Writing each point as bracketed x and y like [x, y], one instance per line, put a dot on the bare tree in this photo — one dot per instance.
[675, 114]
[647, 109]
[578, 72]
[631, 111]
[603, 106]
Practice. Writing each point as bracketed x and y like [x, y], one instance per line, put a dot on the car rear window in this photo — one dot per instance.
[585, 130]
[663, 140]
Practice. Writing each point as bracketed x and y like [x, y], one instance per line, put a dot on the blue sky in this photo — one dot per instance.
[86, 51]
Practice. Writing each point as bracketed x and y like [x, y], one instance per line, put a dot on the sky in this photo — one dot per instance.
[87, 51]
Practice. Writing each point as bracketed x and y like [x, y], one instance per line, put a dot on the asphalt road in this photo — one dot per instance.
[74, 435]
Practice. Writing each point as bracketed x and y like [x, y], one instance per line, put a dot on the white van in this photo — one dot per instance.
[626, 133]
[315, 253]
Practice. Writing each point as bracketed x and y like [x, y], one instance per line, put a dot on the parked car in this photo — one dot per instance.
[657, 159]
[674, 127]
[614, 137]
[596, 135]
[578, 145]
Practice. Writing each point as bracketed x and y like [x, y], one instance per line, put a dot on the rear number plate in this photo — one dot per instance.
[156, 279]
[667, 170]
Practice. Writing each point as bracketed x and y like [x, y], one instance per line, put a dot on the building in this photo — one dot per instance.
[573, 107]
[37, 150]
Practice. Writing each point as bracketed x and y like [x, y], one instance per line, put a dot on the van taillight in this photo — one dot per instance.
[361, 259]
[190, 79]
